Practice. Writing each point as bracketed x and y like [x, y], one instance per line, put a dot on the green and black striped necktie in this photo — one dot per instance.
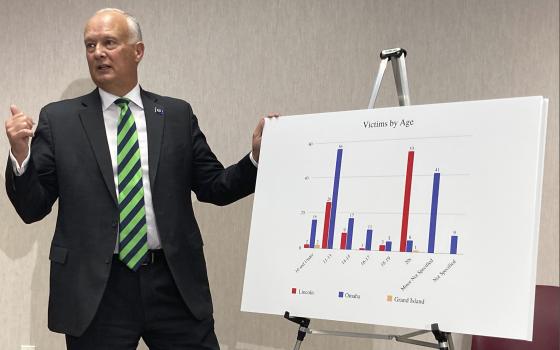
[133, 231]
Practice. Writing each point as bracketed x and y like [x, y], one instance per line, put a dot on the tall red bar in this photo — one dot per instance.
[343, 238]
[324, 244]
[406, 204]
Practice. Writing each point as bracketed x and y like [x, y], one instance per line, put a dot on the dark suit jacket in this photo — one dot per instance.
[70, 161]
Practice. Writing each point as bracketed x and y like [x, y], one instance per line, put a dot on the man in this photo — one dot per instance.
[126, 256]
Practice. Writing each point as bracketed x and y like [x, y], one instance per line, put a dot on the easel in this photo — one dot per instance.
[444, 339]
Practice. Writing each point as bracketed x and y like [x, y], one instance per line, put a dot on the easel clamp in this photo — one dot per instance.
[388, 53]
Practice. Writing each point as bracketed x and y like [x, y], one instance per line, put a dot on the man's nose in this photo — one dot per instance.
[99, 51]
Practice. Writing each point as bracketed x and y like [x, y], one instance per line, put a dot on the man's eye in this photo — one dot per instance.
[110, 43]
[90, 46]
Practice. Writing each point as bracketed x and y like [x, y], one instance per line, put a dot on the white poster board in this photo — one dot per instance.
[401, 216]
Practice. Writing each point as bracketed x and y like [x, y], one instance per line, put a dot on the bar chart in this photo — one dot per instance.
[347, 235]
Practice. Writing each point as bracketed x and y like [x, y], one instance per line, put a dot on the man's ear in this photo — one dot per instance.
[139, 51]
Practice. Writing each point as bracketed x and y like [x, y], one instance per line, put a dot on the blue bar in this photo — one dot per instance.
[388, 245]
[433, 214]
[409, 246]
[350, 232]
[335, 197]
[454, 240]
[313, 231]
[369, 234]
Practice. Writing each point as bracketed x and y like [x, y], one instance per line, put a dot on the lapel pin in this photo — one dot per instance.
[158, 111]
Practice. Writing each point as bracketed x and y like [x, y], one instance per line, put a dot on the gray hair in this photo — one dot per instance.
[133, 24]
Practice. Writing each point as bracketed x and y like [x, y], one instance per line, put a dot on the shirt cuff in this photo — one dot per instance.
[19, 169]
[253, 160]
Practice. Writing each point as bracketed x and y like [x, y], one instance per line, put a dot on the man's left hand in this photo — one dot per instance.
[257, 136]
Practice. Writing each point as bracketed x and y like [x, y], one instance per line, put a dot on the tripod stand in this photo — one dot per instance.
[444, 339]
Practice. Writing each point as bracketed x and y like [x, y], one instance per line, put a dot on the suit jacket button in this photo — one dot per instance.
[108, 260]
[114, 224]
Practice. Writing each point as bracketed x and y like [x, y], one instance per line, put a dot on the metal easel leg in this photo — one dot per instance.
[377, 83]
[401, 79]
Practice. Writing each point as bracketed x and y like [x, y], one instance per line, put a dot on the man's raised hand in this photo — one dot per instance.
[19, 129]
[257, 136]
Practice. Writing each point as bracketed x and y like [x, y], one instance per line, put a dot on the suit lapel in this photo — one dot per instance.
[154, 114]
[94, 126]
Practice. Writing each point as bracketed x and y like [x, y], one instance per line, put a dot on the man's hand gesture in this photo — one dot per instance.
[257, 136]
[19, 128]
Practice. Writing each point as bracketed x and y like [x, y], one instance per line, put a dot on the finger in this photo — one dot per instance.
[15, 110]
[23, 133]
[30, 122]
[22, 119]
[259, 128]
[18, 115]
[20, 123]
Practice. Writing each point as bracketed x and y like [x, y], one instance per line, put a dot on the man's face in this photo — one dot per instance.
[112, 59]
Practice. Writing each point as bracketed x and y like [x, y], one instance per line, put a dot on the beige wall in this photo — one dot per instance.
[236, 60]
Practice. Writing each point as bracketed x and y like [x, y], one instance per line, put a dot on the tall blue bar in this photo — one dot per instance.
[388, 246]
[350, 233]
[369, 234]
[409, 246]
[433, 214]
[313, 232]
[454, 240]
[335, 197]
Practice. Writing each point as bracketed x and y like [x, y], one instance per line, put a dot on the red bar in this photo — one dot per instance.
[306, 245]
[406, 205]
[362, 248]
[326, 225]
[343, 240]
[382, 247]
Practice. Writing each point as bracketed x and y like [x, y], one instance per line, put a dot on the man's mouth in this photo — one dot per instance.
[103, 67]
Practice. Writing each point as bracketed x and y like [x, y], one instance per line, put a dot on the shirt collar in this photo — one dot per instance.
[107, 98]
